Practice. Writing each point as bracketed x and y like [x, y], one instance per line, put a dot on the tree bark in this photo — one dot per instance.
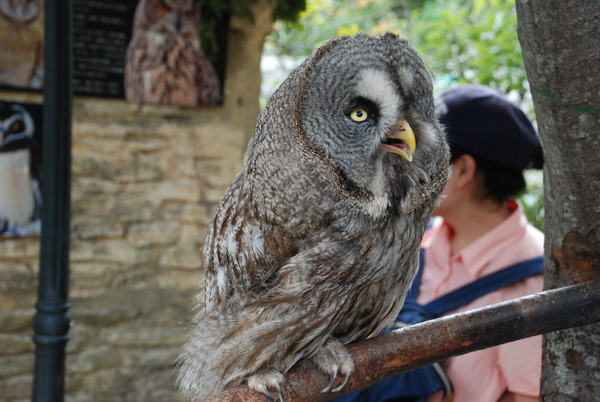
[560, 40]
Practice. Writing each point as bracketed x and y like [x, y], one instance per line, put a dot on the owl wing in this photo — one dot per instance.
[241, 251]
[255, 327]
[136, 61]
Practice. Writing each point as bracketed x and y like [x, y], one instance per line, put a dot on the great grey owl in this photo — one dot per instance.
[316, 242]
[164, 63]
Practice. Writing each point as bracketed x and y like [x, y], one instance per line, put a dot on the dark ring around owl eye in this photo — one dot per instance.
[362, 110]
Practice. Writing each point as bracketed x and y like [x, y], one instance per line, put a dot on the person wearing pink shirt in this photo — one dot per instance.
[478, 229]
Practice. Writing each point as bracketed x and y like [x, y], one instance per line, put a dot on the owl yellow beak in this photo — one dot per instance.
[402, 141]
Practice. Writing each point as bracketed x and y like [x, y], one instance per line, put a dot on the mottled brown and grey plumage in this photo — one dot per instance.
[164, 63]
[316, 241]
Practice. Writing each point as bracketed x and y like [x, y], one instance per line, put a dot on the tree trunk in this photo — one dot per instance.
[560, 40]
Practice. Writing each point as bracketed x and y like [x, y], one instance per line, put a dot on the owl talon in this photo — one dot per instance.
[329, 386]
[279, 392]
[342, 385]
[333, 359]
[262, 382]
[265, 391]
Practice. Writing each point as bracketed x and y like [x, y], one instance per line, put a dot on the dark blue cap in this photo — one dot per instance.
[483, 122]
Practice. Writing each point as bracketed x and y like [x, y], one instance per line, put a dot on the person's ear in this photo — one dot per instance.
[465, 170]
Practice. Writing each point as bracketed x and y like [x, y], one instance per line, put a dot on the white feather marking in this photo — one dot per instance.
[376, 86]
[231, 242]
[253, 239]
[221, 279]
[378, 206]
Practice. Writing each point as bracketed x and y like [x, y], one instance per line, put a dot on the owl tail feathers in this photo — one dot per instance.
[199, 365]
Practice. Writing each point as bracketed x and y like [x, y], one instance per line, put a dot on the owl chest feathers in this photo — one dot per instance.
[251, 246]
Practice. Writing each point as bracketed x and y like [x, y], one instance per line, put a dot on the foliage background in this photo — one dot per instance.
[461, 41]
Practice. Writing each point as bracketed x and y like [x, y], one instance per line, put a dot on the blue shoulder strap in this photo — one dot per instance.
[413, 292]
[483, 286]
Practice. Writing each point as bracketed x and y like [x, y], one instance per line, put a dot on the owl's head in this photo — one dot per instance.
[16, 127]
[20, 11]
[365, 108]
[168, 17]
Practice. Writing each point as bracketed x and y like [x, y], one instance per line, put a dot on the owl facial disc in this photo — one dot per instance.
[401, 142]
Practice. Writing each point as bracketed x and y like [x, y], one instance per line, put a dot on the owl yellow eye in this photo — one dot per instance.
[359, 114]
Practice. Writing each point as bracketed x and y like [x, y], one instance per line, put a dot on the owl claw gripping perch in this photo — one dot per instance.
[315, 243]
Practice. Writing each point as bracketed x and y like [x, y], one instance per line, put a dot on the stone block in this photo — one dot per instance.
[105, 250]
[17, 321]
[182, 255]
[150, 358]
[164, 386]
[86, 275]
[192, 233]
[119, 167]
[217, 172]
[172, 190]
[156, 232]
[96, 207]
[16, 344]
[14, 365]
[94, 358]
[134, 207]
[142, 142]
[98, 227]
[143, 275]
[191, 280]
[19, 248]
[216, 141]
[85, 186]
[16, 388]
[200, 214]
[154, 167]
[114, 307]
[130, 336]
[214, 194]
[15, 276]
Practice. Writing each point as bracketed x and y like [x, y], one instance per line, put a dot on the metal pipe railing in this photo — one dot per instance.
[51, 322]
[422, 344]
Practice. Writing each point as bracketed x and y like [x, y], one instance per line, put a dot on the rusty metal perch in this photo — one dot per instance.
[419, 345]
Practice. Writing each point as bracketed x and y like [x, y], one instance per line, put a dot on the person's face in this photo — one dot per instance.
[448, 199]
[464, 171]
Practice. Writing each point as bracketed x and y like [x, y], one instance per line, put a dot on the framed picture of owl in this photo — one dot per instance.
[167, 62]
[20, 169]
[21, 33]
[147, 51]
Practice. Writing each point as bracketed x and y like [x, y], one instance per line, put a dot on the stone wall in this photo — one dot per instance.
[145, 183]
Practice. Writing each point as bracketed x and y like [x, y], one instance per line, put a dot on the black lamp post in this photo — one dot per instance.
[52, 320]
